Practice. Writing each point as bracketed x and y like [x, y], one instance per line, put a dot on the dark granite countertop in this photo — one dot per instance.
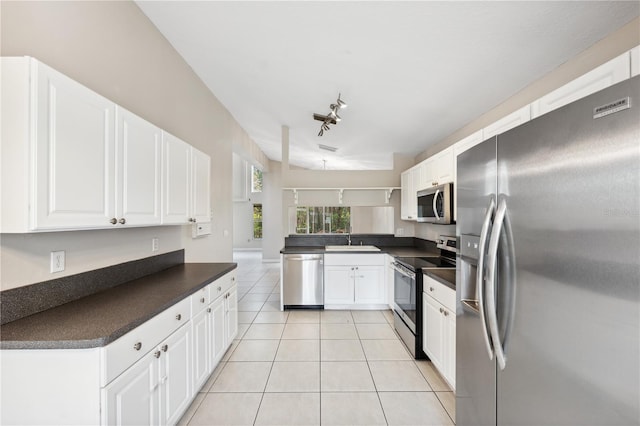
[99, 319]
[446, 276]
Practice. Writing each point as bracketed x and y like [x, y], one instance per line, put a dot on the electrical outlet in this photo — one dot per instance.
[155, 244]
[57, 261]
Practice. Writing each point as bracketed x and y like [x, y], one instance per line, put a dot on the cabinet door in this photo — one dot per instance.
[133, 397]
[427, 175]
[231, 316]
[218, 329]
[176, 177]
[200, 186]
[175, 375]
[405, 178]
[338, 285]
[449, 348]
[635, 61]
[369, 284]
[512, 120]
[443, 166]
[607, 74]
[433, 330]
[138, 184]
[74, 155]
[201, 353]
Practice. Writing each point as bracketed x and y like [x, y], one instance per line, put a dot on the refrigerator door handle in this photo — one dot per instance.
[480, 273]
[491, 282]
[435, 204]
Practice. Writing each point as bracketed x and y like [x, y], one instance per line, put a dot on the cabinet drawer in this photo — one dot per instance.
[222, 284]
[354, 259]
[124, 352]
[200, 300]
[443, 294]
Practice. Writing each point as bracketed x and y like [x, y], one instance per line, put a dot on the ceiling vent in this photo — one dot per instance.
[327, 147]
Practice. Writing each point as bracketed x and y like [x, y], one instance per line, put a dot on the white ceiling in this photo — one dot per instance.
[412, 72]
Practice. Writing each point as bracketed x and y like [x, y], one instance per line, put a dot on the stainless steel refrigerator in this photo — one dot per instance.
[548, 316]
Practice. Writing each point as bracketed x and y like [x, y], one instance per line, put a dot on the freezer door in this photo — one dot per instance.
[475, 371]
[571, 184]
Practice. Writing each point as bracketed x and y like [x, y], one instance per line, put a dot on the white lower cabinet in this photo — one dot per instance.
[354, 279]
[155, 390]
[439, 328]
[149, 376]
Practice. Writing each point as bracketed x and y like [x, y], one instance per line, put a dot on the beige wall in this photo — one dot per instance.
[113, 48]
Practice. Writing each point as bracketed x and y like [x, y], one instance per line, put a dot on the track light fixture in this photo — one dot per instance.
[332, 117]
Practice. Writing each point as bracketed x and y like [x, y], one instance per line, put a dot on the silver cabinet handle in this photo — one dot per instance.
[122, 221]
[137, 346]
[233, 278]
[441, 310]
[179, 317]
[157, 354]
[219, 288]
[480, 273]
[430, 288]
[209, 310]
[165, 348]
[113, 221]
[446, 313]
[491, 282]
[202, 300]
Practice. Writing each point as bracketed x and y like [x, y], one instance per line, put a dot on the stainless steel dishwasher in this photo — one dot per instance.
[303, 281]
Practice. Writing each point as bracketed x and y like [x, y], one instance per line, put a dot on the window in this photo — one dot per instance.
[322, 220]
[256, 179]
[257, 221]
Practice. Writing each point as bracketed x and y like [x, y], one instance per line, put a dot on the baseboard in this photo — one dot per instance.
[247, 249]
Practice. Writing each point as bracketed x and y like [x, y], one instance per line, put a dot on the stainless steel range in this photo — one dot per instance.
[407, 309]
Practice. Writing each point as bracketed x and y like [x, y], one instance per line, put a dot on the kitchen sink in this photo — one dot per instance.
[351, 248]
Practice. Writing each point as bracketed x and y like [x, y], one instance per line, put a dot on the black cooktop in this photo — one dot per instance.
[415, 263]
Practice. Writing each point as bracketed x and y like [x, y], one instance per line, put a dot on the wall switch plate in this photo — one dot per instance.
[57, 261]
[155, 244]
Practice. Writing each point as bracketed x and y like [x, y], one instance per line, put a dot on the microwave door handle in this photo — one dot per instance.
[480, 273]
[435, 202]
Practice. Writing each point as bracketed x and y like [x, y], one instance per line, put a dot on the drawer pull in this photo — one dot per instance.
[446, 313]
[202, 300]
[137, 346]
[179, 317]
[157, 354]
[165, 348]
[441, 310]
[113, 221]
[122, 221]
[430, 288]
[209, 310]
[220, 288]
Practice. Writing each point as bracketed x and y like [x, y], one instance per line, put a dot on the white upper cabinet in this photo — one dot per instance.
[186, 185]
[512, 120]
[73, 153]
[139, 153]
[409, 182]
[608, 74]
[176, 203]
[200, 186]
[635, 61]
[72, 159]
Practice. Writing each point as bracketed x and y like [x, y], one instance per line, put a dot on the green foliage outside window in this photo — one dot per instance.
[257, 221]
[323, 220]
[256, 179]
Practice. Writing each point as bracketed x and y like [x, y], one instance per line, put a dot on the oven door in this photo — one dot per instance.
[404, 286]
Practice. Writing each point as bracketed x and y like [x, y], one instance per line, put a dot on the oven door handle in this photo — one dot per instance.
[403, 271]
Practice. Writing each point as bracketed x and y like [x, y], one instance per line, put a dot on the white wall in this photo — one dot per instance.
[112, 48]
[272, 232]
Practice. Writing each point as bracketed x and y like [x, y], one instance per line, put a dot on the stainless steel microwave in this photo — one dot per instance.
[435, 205]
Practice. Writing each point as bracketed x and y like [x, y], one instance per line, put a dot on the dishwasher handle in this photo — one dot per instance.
[304, 257]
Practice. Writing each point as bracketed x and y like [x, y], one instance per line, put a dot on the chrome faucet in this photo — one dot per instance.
[349, 235]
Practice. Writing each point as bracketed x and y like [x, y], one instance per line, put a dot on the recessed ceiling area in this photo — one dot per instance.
[412, 73]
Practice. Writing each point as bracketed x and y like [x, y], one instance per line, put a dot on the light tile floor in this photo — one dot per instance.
[315, 367]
